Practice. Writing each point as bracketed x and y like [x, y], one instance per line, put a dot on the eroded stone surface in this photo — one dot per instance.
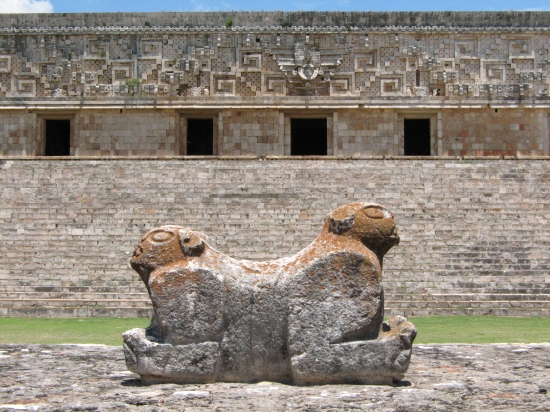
[315, 317]
[440, 378]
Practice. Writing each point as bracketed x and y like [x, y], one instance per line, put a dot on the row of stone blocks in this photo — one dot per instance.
[87, 296]
[142, 308]
[122, 312]
[514, 312]
[409, 290]
[77, 312]
[393, 283]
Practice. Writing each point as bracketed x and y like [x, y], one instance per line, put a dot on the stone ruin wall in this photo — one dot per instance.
[377, 132]
[474, 233]
[456, 57]
[129, 81]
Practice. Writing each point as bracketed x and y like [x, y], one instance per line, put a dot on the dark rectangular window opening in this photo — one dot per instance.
[200, 137]
[417, 137]
[308, 137]
[58, 138]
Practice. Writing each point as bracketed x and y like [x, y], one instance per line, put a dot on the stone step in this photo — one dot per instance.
[397, 300]
[496, 304]
[457, 279]
[75, 282]
[519, 312]
[466, 297]
[395, 289]
[77, 312]
[138, 288]
[18, 303]
[73, 295]
[146, 312]
[462, 291]
[93, 295]
[87, 292]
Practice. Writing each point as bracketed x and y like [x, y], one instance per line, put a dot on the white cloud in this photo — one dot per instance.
[26, 6]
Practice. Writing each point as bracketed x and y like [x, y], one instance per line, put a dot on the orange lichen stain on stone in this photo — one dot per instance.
[505, 395]
[451, 369]
[358, 226]
[345, 249]
[345, 211]
[325, 244]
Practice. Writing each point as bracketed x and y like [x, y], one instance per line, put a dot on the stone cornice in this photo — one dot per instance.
[267, 29]
[276, 20]
[427, 159]
[326, 103]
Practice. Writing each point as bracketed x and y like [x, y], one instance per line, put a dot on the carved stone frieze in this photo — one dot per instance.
[172, 62]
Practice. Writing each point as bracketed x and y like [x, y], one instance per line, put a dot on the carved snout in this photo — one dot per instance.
[138, 265]
[394, 235]
[138, 251]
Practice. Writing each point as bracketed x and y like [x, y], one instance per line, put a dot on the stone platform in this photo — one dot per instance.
[449, 261]
[440, 378]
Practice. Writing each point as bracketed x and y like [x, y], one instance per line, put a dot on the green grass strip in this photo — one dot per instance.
[105, 331]
[481, 329]
[431, 329]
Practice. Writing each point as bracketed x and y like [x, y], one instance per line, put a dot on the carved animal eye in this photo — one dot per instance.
[161, 236]
[374, 213]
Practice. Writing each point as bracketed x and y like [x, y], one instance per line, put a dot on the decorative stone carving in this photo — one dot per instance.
[306, 64]
[91, 62]
[313, 318]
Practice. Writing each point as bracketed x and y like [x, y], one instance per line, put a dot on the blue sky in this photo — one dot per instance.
[72, 6]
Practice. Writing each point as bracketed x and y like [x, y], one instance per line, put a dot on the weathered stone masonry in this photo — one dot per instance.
[124, 88]
[376, 132]
[474, 233]
[128, 83]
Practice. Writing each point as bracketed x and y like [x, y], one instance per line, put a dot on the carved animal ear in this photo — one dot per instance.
[340, 226]
[191, 243]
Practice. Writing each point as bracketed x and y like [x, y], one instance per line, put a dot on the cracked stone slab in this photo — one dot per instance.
[440, 378]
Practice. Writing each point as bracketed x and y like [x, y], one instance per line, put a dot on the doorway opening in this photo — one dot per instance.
[308, 137]
[58, 137]
[200, 137]
[417, 137]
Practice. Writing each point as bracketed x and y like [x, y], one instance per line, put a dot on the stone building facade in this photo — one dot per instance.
[250, 127]
[343, 84]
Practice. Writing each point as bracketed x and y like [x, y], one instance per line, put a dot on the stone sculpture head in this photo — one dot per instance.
[165, 245]
[370, 223]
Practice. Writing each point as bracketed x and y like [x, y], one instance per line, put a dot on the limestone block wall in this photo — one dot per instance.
[17, 137]
[125, 133]
[367, 132]
[502, 132]
[250, 132]
[474, 233]
[265, 132]
[126, 80]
